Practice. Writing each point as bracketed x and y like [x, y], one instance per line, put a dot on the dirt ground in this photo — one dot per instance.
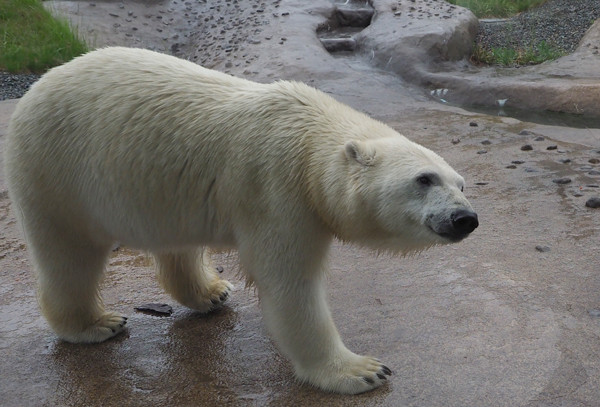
[509, 317]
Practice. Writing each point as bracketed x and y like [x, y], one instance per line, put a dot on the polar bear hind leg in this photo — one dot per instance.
[69, 270]
[190, 278]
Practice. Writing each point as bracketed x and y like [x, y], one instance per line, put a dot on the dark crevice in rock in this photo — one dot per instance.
[348, 18]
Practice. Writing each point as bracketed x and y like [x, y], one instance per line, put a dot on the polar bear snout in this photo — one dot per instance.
[463, 222]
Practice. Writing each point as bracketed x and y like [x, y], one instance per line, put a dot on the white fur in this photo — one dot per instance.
[163, 155]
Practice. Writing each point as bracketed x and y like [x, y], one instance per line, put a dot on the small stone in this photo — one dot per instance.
[524, 133]
[155, 309]
[517, 162]
[455, 141]
[219, 269]
[285, 13]
[594, 312]
[565, 160]
[551, 147]
[593, 202]
[594, 172]
[542, 249]
[593, 161]
[539, 138]
[113, 15]
[561, 181]
[527, 147]
[482, 152]
[481, 183]
[473, 124]
[486, 142]
[511, 167]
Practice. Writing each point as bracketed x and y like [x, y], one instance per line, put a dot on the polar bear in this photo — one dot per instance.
[160, 154]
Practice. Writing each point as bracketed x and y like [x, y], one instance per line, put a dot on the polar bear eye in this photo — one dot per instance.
[424, 180]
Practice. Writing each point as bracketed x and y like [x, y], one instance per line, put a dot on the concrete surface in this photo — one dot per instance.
[491, 321]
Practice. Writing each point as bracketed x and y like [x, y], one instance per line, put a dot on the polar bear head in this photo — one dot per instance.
[411, 197]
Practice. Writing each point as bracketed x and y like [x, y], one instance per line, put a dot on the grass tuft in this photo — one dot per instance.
[531, 55]
[497, 8]
[32, 40]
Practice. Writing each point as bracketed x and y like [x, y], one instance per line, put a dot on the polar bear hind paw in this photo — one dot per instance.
[108, 325]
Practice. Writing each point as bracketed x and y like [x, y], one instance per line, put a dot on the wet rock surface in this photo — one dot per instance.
[490, 321]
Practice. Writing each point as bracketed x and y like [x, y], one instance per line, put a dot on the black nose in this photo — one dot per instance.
[464, 221]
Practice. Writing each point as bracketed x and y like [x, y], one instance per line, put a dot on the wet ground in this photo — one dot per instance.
[509, 317]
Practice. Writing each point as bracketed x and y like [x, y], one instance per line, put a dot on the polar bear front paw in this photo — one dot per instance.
[212, 297]
[354, 375]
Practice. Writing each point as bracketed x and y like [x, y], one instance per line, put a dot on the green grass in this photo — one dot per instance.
[497, 8]
[32, 40]
[531, 55]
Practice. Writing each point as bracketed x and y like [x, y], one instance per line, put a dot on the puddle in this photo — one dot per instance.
[540, 117]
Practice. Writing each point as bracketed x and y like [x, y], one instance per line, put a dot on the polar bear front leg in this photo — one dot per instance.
[191, 279]
[295, 309]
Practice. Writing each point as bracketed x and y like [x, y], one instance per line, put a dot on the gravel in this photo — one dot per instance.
[14, 86]
[560, 23]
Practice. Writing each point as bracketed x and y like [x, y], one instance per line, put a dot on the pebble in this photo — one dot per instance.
[539, 138]
[486, 142]
[517, 162]
[473, 124]
[561, 181]
[594, 312]
[594, 172]
[524, 133]
[593, 161]
[551, 147]
[542, 249]
[565, 160]
[482, 152]
[527, 147]
[593, 202]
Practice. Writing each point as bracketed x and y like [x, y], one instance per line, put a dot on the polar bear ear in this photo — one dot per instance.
[360, 152]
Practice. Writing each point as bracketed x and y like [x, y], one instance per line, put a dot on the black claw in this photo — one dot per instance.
[215, 302]
[369, 380]
[125, 318]
[386, 370]
[382, 377]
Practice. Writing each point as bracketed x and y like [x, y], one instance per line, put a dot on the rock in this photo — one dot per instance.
[593, 202]
[594, 172]
[553, 147]
[594, 312]
[219, 269]
[593, 161]
[486, 142]
[565, 160]
[527, 147]
[562, 181]
[511, 167]
[517, 162]
[539, 138]
[482, 152]
[524, 133]
[155, 309]
[354, 17]
[455, 141]
[338, 44]
[473, 124]
[542, 249]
